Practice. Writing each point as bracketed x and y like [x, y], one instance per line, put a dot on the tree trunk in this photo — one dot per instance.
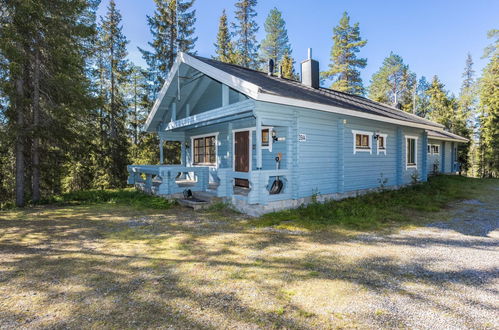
[20, 142]
[36, 122]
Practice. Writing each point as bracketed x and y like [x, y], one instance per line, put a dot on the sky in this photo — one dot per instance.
[433, 37]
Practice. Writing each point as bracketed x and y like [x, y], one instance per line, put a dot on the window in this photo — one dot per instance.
[265, 137]
[411, 147]
[435, 149]
[204, 150]
[362, 141]
[429, 149]
[381, 142]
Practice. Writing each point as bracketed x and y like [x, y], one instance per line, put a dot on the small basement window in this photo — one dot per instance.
[411, 150]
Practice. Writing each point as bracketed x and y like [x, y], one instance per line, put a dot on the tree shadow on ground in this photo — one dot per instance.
[183, 272]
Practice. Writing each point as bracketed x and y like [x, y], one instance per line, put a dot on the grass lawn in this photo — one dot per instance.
[127, 262]
[380, 210]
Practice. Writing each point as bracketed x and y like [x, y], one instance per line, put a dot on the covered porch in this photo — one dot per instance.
[231, 152]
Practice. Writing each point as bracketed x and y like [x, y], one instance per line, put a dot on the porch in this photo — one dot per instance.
[238, 157]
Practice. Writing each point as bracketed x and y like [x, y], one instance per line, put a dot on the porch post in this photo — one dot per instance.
[258, 143]
[400, 156]
[182, 153]
[161, 159]
[174, 111]
[424, 160]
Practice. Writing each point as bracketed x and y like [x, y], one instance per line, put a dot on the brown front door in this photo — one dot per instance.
[241, 156]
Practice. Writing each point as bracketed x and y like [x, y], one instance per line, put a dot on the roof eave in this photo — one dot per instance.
[323, 107]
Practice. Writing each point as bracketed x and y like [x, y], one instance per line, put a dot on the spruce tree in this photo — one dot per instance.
[393, 83]
[345, 65]
[463, 121]
[47, 91]
[276, 43]
[489, 108]
[245, 29]
[167, 41]
[422, 102]
[224, 47]
[116, 74]
[287, 64]
[442, 110]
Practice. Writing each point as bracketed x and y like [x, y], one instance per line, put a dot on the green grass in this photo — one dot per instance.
[128, 196]
[378, 210]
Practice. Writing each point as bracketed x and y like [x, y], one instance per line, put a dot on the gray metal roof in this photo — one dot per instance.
[444, 135]
[296, 90]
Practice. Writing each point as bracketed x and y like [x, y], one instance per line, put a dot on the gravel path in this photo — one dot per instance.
[446, 274]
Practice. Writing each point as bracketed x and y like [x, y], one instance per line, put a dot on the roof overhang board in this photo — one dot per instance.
[240, 85]
[323, 107]
[161, 95]
[447, 139]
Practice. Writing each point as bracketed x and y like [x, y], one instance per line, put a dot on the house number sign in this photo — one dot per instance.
[302, 137]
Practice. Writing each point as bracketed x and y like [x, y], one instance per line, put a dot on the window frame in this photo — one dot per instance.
[407, 164]
[204, 136]
[383, 150]
[435, 147]
[369, 140]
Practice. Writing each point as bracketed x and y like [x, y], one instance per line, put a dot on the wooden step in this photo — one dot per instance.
[205, 196]
[193, 203]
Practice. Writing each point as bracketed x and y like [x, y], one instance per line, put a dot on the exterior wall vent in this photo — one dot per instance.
[310, 71]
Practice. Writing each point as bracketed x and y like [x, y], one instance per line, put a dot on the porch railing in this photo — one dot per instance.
[260, 183]
[168, 179]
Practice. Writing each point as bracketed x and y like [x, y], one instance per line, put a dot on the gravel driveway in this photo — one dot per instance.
[116, 267]
[446, 274]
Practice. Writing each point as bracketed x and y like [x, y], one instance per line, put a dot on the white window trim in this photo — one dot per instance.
[435, 153]
[407, 166]
[216, 149]
[355, 149]
[378, 150]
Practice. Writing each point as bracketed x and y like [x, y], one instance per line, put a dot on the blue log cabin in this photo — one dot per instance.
[266, 143]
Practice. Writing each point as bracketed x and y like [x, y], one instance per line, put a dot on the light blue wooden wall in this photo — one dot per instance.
[432, 158]
[325, 163]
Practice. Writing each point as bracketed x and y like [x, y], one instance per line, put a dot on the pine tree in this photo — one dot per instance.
[167, 41]
[224, 47]
[116, 74]
[393, 83]
[489, 108]
[345, 65]
[276, 43]
[245, 30]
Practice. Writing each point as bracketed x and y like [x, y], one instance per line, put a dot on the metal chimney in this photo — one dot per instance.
[310, 71]
[270, 67]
